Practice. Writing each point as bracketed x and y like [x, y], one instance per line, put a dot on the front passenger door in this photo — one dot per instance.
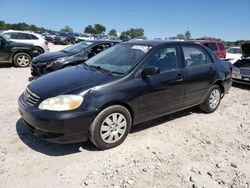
[164, 92]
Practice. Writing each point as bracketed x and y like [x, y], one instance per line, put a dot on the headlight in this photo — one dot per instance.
[61, 103]
[51, 63]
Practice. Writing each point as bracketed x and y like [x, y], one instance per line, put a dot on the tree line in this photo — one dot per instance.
[101, 29]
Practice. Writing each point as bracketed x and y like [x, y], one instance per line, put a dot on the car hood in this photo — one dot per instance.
[76, 79]
[245, 48]
[51, 56]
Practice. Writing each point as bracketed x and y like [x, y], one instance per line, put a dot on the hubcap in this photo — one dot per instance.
[214, 98]
[23, 60]
[113, 128]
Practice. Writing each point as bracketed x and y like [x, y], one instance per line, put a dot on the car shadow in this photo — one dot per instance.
[241, 86]
[53, 149]
[49, 148]
[6, 65]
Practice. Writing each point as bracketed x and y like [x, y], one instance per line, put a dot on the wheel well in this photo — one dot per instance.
[220, 84]
[125, 105]
[40, 48]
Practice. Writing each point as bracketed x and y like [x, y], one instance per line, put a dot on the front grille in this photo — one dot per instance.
[245, 71]
[32, 98]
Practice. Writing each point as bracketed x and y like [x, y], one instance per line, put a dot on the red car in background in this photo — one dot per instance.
[216, 46]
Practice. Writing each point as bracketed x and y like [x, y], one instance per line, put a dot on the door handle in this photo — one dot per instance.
[211, 70]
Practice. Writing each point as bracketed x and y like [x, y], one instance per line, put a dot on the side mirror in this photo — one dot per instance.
[150, 71]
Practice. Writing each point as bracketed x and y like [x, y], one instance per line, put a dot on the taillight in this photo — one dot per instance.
[46, 42]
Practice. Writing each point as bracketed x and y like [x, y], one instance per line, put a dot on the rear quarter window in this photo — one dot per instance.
[33, 37]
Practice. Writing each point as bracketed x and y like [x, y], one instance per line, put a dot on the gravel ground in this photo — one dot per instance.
[185, 149]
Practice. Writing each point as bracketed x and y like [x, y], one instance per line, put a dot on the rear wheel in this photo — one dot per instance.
[22, 59]
[110, 127]
[212, 100]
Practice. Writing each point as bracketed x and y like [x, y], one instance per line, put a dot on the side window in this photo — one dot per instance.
[212, 46]
[33, 37]
[23, 36]
[194, 56]
[164, 58]
[221, 46]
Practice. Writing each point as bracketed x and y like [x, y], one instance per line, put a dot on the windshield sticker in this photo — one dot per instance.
[145, 49]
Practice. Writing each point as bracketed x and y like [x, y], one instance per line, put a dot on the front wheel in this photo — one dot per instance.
[110, 127]
[22, 59]
[212, 100]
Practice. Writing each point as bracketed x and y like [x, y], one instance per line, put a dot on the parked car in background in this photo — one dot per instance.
[241, 68]
[233, 54]
[69, 56]
[64, 38]
[127, 84]
[49, 36]
[18, 53]
[28, 37]
[216, 46]
[85, 36]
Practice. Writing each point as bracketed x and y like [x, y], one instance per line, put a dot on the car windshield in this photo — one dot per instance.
[77, 47]
[120, 58]
[4, 37]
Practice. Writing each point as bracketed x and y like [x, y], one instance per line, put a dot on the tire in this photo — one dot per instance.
[104, 132]
[212, 100]
[40, 50]
[22, 59]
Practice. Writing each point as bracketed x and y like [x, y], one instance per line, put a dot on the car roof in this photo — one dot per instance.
[17, 31]
[157, 42]
[205, 41]
[101, 41]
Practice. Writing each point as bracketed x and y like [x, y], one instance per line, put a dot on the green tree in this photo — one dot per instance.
[66, 29]
[113, 32]
[187, 35]
[89, 29]
[99, 29]
[134, 32]
[2, 25]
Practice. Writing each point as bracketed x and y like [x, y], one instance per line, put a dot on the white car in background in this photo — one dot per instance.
[84, 37]
[28, 37]
[233, 54]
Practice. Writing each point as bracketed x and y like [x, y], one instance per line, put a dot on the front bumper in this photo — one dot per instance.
[241, 78]
[57, 127]
[41, 68]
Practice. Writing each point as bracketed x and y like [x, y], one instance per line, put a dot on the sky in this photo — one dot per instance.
[225, 19]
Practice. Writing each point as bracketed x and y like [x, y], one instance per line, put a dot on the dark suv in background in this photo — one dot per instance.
[64, 38]
[20, 54]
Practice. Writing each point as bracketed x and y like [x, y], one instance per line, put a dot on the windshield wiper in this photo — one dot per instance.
[100, 68]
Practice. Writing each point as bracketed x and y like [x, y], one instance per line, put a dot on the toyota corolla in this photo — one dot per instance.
[127, 84]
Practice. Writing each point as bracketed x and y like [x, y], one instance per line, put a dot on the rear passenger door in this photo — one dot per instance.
[200, 73]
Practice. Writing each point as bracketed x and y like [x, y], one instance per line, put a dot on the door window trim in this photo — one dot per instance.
[211, 60]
